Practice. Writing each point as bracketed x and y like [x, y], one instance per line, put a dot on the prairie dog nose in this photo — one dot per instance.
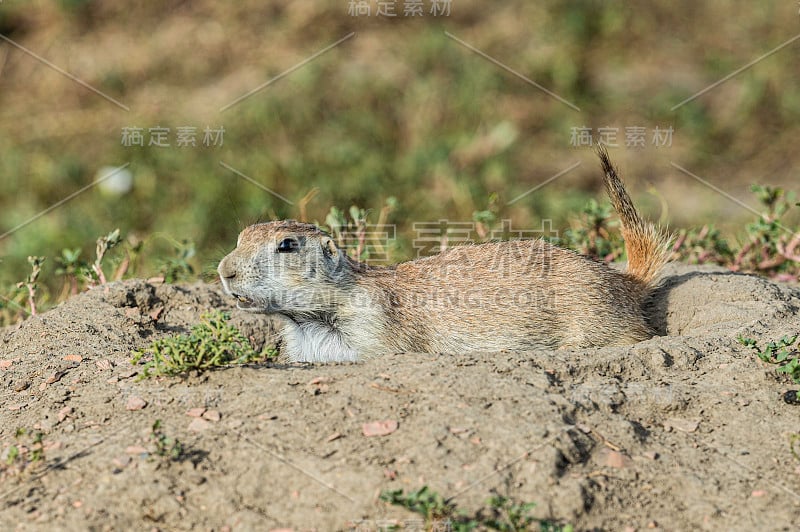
[225, 269]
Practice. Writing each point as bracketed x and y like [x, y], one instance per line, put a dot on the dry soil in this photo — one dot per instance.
[688, 430]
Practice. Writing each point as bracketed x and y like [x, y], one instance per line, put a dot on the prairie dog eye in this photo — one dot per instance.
[288, 245]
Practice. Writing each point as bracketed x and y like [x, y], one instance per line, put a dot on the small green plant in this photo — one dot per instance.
[212, 343]
[770, 249]
[592, 234]
[424, 501]
[104, 245]
[510, 516]
[345, 229]
[37, 447]
[702, 246]
[23, 455]
[782, 353]
[485, 219]
[350, 229]
[30, 283]
[12, 455]
[503, 514]
[70, 266]
[166, 447]
[177, 268]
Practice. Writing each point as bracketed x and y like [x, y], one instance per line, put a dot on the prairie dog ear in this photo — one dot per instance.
[329, 248]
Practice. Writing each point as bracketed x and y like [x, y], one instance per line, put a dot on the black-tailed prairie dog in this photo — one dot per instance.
[496, 296]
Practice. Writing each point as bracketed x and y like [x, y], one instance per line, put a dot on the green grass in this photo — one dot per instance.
[166, 447]
[24, 456]
[784, 354]
[212, 343]
[501, 513]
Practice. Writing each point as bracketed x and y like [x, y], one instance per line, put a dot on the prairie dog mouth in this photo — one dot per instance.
[244, 303]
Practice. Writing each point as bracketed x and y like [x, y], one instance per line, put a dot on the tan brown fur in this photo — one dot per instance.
[497, 296]
[645, 244]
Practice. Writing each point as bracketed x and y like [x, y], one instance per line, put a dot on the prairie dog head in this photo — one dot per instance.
[285, 267]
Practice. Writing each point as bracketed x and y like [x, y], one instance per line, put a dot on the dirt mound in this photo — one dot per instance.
[686, 430]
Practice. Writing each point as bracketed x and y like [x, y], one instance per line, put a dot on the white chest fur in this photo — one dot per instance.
[315, 342]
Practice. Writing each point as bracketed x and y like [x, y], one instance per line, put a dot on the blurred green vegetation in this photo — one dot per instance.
[401, 112]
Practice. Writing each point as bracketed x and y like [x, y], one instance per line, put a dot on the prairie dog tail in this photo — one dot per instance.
[646, 245]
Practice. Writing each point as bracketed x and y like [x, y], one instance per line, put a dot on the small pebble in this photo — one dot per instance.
[64, 412]
[379, 428]
[121, 461]
[199, 424]
[55, 377]
[683, 425]
[135, 449]
[135, 403]
[211, 415]
[128, 374]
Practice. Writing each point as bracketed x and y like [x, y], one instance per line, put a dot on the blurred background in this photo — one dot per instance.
[403, 113]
